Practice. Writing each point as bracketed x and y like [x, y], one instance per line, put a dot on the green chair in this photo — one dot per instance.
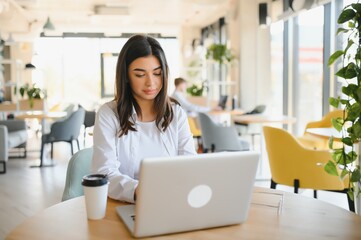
[78, 166]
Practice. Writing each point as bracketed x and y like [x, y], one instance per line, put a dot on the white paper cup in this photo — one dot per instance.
[96, 193]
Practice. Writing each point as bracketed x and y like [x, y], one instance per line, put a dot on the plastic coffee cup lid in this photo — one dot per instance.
[94, 180]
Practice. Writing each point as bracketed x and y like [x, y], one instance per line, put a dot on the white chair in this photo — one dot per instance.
[13, 134]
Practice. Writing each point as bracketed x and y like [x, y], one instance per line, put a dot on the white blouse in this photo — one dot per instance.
[120, 157]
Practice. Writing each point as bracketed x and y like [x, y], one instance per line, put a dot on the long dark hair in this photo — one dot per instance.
[140, 46]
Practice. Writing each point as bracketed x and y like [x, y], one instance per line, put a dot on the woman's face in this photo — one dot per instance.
[145, 76]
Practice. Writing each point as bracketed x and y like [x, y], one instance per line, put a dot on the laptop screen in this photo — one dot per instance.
[222, 101]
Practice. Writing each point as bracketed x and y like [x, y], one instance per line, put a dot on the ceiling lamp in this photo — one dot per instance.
[30, 66]
[264, 19]
[48, 25]
[10, 40]
[298, 5]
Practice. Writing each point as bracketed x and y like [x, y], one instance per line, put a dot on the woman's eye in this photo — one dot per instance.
[139, 75]
[157, 74]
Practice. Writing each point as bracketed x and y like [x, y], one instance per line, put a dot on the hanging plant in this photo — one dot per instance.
[219, 53]
[343, 162]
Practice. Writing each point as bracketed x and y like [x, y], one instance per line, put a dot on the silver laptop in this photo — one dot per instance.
[184, 193]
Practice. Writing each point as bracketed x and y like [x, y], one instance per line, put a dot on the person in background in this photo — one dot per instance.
[142, 121]
[179, 94]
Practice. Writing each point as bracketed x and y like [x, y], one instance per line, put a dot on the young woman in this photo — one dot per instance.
[141, 121]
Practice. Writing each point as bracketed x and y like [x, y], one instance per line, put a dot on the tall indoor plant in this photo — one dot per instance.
[343, 159]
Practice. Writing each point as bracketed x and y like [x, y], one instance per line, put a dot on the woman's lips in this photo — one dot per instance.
[150, 91]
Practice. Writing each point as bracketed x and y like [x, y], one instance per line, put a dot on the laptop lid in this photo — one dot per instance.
[186, 193]
[222, 101]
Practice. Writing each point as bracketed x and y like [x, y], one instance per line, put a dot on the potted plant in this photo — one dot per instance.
[32, 92]
[196, 90]
[343, 162]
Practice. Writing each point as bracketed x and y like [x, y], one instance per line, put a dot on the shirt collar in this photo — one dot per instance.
[134, 116]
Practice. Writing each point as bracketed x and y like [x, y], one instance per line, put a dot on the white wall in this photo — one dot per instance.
[254, 55]
[251, 44]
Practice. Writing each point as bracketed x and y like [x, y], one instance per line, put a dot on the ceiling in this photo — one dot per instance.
[24, 18]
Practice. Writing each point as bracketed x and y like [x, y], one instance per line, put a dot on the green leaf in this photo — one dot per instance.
[355, 130]
[358, 92]
[344, 173]
[330, 143]
[349, 44]
[346, 15]
[337, 155]
[337, 123]
[341, 72]
[347, 72]
[334, 57]
[344, 101]
[334, 102]
[355, 175]
[341, 30]
[352, 156]
[354, 112]
[350, 72]
[331, 169]
[194, 90]
[350, 194]
[22, 91]
[350, 89]
[347, 141]
[351, 25]
[344, 159]
[219, 53]
[357, 7]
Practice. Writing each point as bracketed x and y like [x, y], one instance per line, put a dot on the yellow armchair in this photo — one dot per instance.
[294, 165]
[314, 142]
[196, 132]
[194, 127]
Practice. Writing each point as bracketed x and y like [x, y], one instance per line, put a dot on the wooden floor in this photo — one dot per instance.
[25, 191]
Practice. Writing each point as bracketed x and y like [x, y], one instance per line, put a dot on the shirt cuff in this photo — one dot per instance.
[129, 193]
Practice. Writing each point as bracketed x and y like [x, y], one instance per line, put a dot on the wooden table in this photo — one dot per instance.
[233, 112]
[43, 117]
[299, 218]
[262, 119]
[225, 117]
[325, 133]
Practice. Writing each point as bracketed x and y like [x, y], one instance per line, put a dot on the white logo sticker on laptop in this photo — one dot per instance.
[199, 196]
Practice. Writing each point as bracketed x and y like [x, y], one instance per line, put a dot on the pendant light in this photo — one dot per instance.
[30, 66]
[48, 25]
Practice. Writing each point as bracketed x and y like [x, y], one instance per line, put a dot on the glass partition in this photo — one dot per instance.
[308, 89]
